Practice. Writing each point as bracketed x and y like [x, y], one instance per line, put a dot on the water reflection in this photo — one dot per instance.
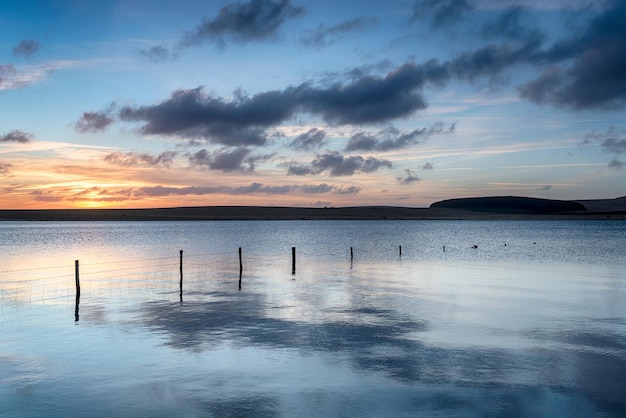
[379, 339]
[595, 359]
[571, 366]
[465, 332]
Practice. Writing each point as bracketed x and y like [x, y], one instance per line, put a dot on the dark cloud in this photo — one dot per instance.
[193, 113]
[545, 188]
[93, 122]
[16, 136]
[391, 138]
[326, 188]
[237, 159]
[587, 70]
[243, 120]
[158, 53]
[409, 178]
[615, 145]
[252, 188]
[312, 139]
[428, 166]
[336, 164]
[370, 99]
[243, 22]
[491, 60]
[511, 24]
[324, 35]
[613, 140]
[617, 165]
[592, 71]
[442, 12]
[5, 168]
[584, 71]
[26, 48]
[128, 159]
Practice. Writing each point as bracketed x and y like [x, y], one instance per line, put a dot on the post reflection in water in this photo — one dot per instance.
[76, 316]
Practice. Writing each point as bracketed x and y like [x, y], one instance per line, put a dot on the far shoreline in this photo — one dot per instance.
[596, 210]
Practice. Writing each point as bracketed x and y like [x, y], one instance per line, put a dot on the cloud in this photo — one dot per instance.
[252, 188]
[238, 159]
[93, 122]
[26, 48]
[545, 188]
[409, 178]
[614, 145]
[312, 139]
[441, 12]
[17, 136]
[255, 20]
[323, 35]
[157, 53]
[128, 159]
[242, 121]
[11, 78]
[510, 25]
[587, 70]
[596, 77]
[617, 165]
[5, 168]
[196, 114]
[42, 196]
[7, 71]
[613, 140]
[369, 99]
[336, 164]
[391, 138]
[428, 166]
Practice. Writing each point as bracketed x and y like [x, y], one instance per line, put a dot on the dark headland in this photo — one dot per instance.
[469, 208]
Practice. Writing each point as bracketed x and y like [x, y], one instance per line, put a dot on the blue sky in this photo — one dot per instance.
[142, 103]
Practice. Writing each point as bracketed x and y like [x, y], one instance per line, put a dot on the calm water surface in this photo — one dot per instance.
[532, 322]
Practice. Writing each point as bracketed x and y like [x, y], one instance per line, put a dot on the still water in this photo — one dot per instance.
[532, 322]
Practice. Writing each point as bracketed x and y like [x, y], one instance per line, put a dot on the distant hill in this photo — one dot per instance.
[510, 204]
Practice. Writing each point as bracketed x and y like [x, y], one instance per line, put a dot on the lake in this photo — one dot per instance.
[426, 318]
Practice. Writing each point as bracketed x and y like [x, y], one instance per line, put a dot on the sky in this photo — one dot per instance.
[154, 103]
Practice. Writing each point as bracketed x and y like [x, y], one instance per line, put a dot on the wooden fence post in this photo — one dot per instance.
[77, 302]
[240, 262]
[181, 275]
[293, 260]
[240, 268]
[77, 277]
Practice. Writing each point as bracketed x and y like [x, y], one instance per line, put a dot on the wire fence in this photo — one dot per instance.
[165, 275]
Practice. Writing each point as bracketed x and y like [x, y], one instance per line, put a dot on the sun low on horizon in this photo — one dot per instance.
[137, 104]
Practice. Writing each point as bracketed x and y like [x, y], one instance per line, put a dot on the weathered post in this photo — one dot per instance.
[240, 268]
[181, 275]
[240, 262]
[293, 260]
[351, 258]
[77, 279]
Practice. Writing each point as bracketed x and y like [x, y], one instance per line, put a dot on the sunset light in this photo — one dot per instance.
[118, 104]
